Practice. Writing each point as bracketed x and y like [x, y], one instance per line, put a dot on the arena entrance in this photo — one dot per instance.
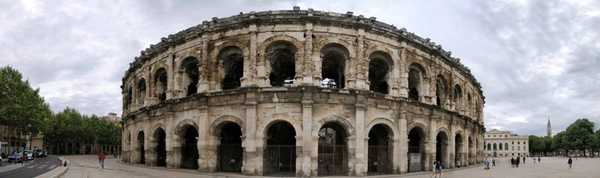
[141, 147]
[441, 144]
[458, 143]
[161, 147]
[333, 150]
[380, 150]
[280, 152]
[189, 147]
[230, 150]
[415, 150]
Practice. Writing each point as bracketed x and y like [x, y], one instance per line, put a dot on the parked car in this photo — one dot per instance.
[39, 153]
[28, 155]
[15, 157]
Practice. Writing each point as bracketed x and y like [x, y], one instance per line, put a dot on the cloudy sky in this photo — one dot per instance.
[536, 59]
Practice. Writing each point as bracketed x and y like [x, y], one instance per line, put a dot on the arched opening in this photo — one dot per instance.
[280, 153]
[379, 66]
[441, 145]
[161, 147]
[160, 84]
[500, 146]
[334, 58]
[230, 152]
[457, 94]
[333, 150]
[190, 67]
[506, 146]
[416, 150]
[441, 90]
[458, 144]
[141, 149]
[489, 146]
[128, 97]
[141, 91]
[282, 58]
[380, 150]
[415, 78]
[189, 147]
[232, 60]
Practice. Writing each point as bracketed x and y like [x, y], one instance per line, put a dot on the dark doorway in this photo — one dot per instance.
[141, 148]
[161, 147]
[380, 150]
[232, 59]
[334, 58]
[379, 67]
[458, 143]
[230, 150]
[282, 58]
[415, 150]
[189, 148]
[190, 67]
[415, 75]
[160, 84]
[441, 144]
[333, 150]
[280, 153]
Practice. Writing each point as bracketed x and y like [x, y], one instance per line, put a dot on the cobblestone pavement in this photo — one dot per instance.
[87, 166]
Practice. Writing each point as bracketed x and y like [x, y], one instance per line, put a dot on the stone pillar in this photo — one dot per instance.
[403, 74]
[310, 74]
[403, 146]
[204, 68]
[360, 167]
[307, 142]
[204, 141]
[173, 145]
[150, 152]
[361, 68]
[252, 164]
[250, 64]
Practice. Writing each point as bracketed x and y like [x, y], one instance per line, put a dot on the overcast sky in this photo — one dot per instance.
[535, 59]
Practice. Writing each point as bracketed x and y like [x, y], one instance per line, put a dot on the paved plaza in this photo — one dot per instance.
[87, 166]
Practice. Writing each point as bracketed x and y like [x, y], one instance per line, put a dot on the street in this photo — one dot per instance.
[29, 169]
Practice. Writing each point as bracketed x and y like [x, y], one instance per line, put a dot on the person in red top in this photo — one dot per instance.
[101, 158]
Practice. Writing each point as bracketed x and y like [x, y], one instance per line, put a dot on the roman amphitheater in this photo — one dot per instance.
[300, 93]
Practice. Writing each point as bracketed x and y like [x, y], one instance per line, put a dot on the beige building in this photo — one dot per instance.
[111, 117]
[300, 92]
[505, 144]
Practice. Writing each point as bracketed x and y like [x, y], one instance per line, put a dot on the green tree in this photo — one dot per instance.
[580, 135]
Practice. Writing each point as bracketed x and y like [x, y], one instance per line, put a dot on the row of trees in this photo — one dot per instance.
[579, 137]
[23, 111]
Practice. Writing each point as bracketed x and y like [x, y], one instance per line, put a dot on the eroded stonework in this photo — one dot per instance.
[245, 94]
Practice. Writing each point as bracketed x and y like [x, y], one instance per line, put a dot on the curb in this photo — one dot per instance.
[57, 172]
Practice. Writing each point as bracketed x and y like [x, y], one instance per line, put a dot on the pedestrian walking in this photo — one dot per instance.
[512, 162]
[493, 162]
[438, 169]
[517, 162]
[570, 162]
[523, 159]
[101, 158]
[539, 160]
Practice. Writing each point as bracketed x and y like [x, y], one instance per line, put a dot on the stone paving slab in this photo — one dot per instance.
[87, 166]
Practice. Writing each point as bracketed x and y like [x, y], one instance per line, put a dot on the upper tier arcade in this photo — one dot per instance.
[278, 50]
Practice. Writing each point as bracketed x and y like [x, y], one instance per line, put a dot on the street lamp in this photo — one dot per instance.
[30, 133]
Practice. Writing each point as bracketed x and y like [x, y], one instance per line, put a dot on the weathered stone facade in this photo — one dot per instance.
[231, 76]
[498, 143]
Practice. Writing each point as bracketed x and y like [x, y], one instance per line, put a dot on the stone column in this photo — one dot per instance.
[403, 74]
[360, 167]
[307, 142]
[173, 144]
[403, 146]
[361, 68]
[204, 141]
[250, 64]
[252, 164]
[204, 68]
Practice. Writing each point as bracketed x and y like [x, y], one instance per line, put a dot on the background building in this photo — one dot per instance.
[505, 144]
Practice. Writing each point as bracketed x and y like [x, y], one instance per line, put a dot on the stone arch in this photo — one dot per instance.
[348, 127]
[441, 90]
[179, 126]
[189, 74]
[262, 130]
[417, 135]
[230, 66]
[228, 136]
[459, 141]
[416, 81]
[441, 146]
[186, 134]
[265, 55]
[279, 155]
[381, 138]
[329, 40]
[217, 123]
[335, 60]
[159, 145]
[333, 150]
[381, 66]
[387, 122]
[160, 83]
[141, 88]
[141, 146]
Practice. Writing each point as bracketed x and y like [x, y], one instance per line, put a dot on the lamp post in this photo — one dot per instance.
[30, 133]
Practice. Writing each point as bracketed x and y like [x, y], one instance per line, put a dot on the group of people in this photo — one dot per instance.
[437, 169]
[514, 162]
